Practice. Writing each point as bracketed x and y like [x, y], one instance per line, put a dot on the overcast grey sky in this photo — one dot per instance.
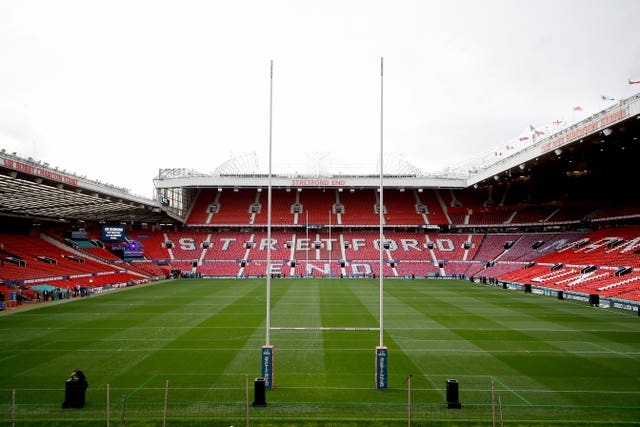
[116, 90]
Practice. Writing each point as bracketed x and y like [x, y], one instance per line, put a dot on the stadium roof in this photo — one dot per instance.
[34, 190]
[620, 118]
[538, 144]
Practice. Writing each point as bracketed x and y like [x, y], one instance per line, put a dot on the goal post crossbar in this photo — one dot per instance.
[319, 328]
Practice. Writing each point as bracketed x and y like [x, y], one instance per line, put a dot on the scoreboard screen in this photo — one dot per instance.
[113, 233]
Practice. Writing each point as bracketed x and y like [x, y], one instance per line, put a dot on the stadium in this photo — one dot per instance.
[509, 288]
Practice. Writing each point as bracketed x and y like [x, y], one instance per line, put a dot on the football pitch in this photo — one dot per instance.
[186, 352]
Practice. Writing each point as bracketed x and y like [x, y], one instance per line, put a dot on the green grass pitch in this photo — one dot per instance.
[550, 362]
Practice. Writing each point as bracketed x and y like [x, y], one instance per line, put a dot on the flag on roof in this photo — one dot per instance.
[606, 98]
[523, 138]
[558, 122]
[577, 108]
[631, 82]
[535, 131]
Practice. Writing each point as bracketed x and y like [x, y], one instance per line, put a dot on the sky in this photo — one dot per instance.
[116, 90]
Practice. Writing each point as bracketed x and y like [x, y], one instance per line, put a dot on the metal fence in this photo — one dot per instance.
[233, 406]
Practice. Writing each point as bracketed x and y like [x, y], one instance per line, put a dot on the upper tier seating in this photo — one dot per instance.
[200, 211]
[515, 203]
[281, 204]
[432, 200]
[317, 206]
[465, 197]
[359, 207]
[490, 215]
[235, 206]
[532, 214]
[401, 208]
[616, 211]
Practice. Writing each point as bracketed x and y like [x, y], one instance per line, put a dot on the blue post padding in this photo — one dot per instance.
[267, 366]
[381, 368]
